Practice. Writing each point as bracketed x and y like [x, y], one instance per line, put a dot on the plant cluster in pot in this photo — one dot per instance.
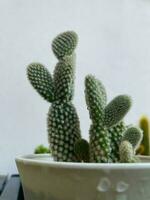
[104, 168]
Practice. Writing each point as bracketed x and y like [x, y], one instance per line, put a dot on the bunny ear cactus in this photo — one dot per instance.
[110, 139]
[63, 122]
[106, 120]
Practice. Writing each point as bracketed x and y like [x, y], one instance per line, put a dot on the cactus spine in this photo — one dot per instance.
[63, 122]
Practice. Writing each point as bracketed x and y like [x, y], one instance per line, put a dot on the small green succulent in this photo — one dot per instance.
[40, 149]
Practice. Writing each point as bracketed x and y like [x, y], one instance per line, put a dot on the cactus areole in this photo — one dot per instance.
[110, 140]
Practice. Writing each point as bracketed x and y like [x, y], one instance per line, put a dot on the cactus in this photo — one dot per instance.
[62, 121]
[110, 139]
[103, 117]
[144, 148]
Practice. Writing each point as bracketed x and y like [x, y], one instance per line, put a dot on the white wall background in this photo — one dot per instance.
[114, 45]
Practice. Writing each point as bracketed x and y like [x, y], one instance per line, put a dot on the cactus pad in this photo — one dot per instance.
[64, 44]
[116, 134]
[99, 144]
[64, 131]
[95, 95]
[64, 81]
[116, 110]
[41, 80]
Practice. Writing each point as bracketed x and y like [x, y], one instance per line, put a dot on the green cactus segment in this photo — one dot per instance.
[82, 150]
[145, 144]
[64, 131]
[95, 95]
[99, 144]
[116, 134]
[134, 135]
[127, 153]
[41, 80]
[64, 44]
[116, 110]
[64, 81]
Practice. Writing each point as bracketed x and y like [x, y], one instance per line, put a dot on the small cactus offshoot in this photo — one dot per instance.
[82, 150]
[127, 153]
[110, 139]
[134, 135]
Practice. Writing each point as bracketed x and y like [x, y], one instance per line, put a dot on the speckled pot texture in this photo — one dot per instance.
[45, 179]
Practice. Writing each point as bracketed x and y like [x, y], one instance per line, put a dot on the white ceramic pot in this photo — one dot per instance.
[44, 179]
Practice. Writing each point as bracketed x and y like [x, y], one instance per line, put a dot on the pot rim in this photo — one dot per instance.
[42, 160]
